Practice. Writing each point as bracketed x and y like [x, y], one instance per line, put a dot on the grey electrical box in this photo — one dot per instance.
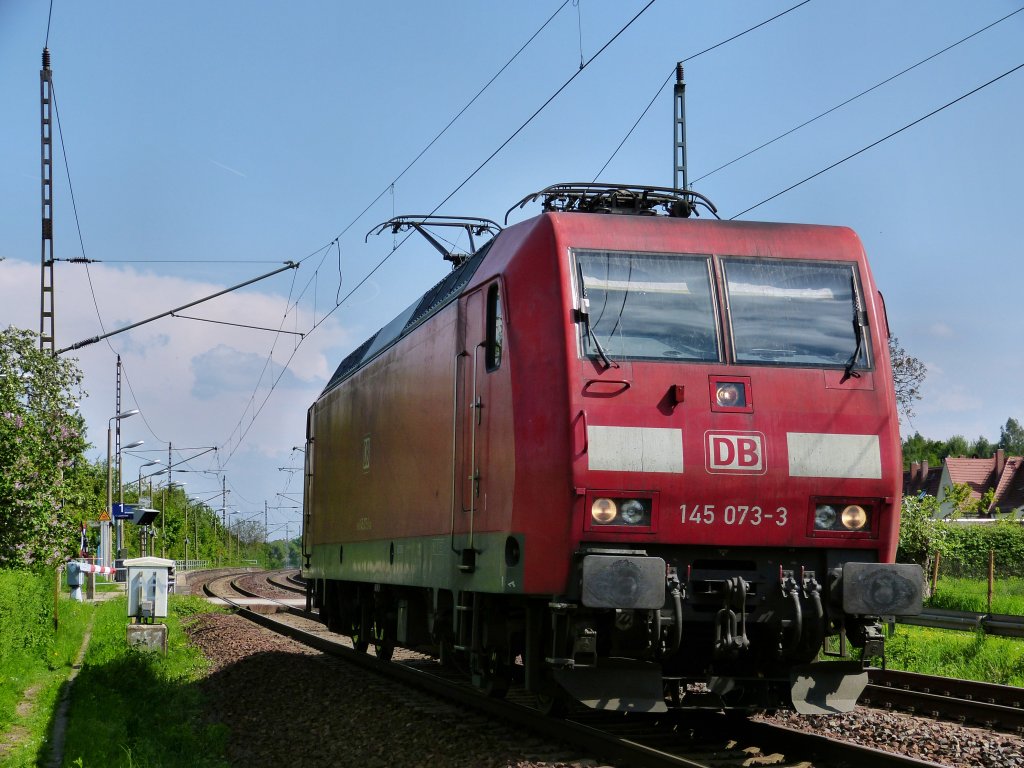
[147, 587]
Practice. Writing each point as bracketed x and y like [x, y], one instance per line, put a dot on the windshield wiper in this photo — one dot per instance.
[860, 322]
[584, 315]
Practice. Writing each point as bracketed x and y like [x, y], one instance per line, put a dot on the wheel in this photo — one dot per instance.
[383, 646]
[361, 626]
[552, 704]
[493, 674]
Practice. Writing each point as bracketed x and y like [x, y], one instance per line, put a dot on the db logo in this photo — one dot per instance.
[735, 452]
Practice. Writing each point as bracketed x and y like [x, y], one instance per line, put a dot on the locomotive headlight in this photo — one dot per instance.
[632, 512]
[603, 511]
[729, 394]
[854, 517]
[825, 516]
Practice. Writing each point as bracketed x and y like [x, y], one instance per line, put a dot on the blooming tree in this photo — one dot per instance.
[42, 448]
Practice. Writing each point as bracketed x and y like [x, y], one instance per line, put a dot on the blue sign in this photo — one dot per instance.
[124, 511]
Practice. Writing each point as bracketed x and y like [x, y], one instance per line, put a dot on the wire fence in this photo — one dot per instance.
[991, 582]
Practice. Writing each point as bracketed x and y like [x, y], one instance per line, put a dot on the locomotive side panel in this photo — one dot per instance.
[413, 458]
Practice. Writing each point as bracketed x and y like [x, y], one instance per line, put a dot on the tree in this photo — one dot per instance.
[42, 453]
[908, 374]
[982, 448]
[1011, 438]
[919, 448]
[957, 446]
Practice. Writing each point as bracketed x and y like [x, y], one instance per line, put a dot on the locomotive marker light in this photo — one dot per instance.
[825, 517]
[632, 512]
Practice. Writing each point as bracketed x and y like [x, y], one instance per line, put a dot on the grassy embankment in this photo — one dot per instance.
[972, 595]
[34, 661]
[967, 655]
[139, 709]
[128, 707]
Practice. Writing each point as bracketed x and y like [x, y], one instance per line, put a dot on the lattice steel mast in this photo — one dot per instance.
[679, 180]
[47, 334]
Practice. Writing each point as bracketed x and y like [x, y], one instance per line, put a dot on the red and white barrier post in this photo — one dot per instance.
[76, 575]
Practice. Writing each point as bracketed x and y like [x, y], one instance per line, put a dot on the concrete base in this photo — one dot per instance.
[151, 637]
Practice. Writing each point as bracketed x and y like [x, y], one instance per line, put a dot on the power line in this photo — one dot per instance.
[876, 143]
[336, 241]
[673, 71]
[465, 181]
[862, 93]
[449, 125]
[171, 261]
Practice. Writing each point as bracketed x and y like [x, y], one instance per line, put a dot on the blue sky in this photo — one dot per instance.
[210, 142]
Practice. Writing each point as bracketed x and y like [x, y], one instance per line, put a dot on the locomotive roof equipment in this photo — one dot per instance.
[600, 197]
[471, 224]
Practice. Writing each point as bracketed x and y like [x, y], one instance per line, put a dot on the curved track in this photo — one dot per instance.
[672, 739]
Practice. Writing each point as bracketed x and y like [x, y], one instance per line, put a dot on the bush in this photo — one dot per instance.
[26, 614]
[967, 547]
[964, 547]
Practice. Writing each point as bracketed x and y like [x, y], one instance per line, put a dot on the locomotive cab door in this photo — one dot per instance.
[479, 357]
[307, 489]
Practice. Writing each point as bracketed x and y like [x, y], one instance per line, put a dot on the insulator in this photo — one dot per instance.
[46, 58]
[679, 72]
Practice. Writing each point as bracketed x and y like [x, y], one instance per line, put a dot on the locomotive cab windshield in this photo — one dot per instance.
[663, 307]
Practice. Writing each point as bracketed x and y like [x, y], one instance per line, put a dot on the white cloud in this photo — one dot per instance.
[941, 330]
[198, 384]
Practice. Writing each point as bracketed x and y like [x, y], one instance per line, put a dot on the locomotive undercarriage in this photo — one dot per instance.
[729, 631]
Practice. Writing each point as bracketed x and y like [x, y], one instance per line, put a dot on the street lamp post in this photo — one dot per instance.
[119, 527]
[105, 531]
[186, 533]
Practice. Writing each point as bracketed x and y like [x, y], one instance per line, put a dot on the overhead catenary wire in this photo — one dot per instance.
[672, 72]
[450, 123]
[862, 150]
[862, 93]
[465, 181]
[390, 187]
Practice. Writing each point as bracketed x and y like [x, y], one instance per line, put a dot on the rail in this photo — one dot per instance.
[1001, 624]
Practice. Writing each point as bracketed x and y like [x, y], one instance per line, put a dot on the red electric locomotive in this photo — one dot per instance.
[632, 458]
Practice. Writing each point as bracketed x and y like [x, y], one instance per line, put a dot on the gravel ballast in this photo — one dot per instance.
[288, 704]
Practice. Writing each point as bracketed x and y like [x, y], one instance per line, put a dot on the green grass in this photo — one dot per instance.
[43, 673]
[965, 655]
[972, 595]
[137, 708]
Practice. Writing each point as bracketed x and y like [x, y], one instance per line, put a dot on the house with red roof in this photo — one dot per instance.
[1001, 473]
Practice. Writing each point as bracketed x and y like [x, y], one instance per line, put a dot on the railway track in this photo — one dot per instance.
[671, 739]
[999, 707]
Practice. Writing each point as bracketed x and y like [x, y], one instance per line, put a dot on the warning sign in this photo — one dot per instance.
[104, 516]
